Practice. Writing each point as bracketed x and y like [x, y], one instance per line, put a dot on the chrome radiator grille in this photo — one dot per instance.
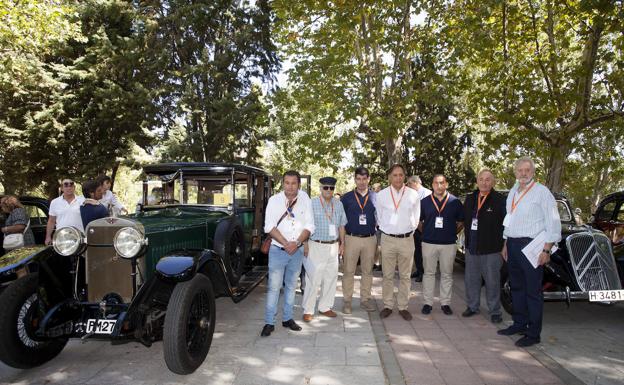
[592, 260]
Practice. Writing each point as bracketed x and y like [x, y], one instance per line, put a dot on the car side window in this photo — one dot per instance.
[243, 193]
[620, 215]
[37, 216]
[607, 211]
[564, 212]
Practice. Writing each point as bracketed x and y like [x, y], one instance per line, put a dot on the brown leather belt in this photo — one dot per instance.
[325, 242]
[361, 235]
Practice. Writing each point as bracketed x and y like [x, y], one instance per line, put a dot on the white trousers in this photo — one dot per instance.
[321, 266]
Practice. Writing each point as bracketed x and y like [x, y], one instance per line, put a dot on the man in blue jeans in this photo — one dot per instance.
[289, 221]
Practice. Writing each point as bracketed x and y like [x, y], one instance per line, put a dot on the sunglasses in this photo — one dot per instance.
[68, 184]
[329, 188]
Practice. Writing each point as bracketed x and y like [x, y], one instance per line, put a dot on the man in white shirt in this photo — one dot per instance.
[398, 213]
[289, 220]
[531, 210]
[109, 200]
[64, 210]
[415, 182]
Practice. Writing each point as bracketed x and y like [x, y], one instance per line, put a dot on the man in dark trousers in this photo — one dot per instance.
[484, 212]
[92, 209]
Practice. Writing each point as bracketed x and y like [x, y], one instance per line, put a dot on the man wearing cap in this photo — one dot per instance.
[360, 240]
[398, 212]
[442, 217]
[289, 221]
[415, 183]
[325, 245]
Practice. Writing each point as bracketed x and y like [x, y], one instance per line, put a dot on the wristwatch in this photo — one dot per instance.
[546, 251]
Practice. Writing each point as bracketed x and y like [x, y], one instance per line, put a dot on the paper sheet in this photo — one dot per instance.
[534, 249]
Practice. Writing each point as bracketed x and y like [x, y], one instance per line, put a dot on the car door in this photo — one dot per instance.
[610, 219]
[38, 220]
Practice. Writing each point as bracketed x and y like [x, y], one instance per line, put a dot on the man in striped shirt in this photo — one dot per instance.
[531, 210]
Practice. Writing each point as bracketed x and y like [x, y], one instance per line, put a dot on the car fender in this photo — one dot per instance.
[18, 258]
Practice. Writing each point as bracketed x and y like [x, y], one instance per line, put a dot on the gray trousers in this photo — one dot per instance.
[486, 266]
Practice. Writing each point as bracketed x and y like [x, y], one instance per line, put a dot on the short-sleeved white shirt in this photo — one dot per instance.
[292, 226]
[67, 214]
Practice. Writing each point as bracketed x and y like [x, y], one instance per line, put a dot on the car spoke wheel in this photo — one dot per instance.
[19, 320]
[505, 295]
[189, 325]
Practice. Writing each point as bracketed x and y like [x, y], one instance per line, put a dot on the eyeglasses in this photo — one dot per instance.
[68, 184]
[329, 188]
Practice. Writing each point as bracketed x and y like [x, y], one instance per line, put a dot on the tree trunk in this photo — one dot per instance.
[393, 149]
[555, 166]
[114, 174]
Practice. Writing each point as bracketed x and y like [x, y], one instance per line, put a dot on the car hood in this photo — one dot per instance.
[171, 218]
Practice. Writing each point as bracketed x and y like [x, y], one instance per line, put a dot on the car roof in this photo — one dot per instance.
[199, 168]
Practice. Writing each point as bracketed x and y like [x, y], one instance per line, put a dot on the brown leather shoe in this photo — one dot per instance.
[307, 317]
[328, 313]
[406, 315]
[385, 312]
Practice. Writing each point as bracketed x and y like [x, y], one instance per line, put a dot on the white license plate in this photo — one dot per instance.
[606, 295]
[100, 326]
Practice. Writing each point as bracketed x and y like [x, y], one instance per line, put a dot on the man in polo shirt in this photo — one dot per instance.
[442, 216]
[531, 211]
[64, 210]
[415, 182]
[289, 220]
[398, 211]
[324, 247]
[360, 240]
[484, 211]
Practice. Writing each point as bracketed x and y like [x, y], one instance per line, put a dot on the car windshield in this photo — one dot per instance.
[564, 213]
[212, 190]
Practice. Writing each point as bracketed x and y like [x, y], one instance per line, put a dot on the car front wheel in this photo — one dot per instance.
[505, 287]
[19, 318]
[189, 325]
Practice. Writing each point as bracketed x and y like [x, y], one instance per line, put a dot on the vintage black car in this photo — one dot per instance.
[583, 263]
[609, 218]
[144, 277]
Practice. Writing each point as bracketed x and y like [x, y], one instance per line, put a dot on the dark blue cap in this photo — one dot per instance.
[328, 181]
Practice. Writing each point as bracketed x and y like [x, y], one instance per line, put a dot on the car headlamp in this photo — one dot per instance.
[67, 241]
[128, 242]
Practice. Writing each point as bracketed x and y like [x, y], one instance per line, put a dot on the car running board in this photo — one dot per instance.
[248, 282]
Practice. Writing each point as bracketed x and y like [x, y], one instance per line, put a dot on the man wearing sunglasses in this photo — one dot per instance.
[398, 212]
[64, 210]
[326, 244]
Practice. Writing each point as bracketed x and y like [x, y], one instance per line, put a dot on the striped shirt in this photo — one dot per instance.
[536, 212]
[322, 222]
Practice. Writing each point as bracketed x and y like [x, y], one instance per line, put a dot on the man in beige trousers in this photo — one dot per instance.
[398, 213]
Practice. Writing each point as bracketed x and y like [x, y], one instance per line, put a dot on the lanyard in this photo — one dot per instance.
[397, 204]
[481, 200]
[436, 204]
[515, 204]
[289, 207]
[358, 200]
[329, 217]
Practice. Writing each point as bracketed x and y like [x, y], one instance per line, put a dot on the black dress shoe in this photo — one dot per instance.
[267, 330]
[496, 319]
[292, 325]
[426, 309]
[376, 267]
[469, 312]
[385, 312]
[510, 331]
[527, 341]
[446, 309]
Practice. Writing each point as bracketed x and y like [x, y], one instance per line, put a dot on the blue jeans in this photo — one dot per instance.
[526, 288]
[283, 269]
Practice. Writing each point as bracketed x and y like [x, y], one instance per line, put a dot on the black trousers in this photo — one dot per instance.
[418, 258]
[526, 288]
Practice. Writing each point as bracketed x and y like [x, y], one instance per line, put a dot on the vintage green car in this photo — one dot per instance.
[152, 275]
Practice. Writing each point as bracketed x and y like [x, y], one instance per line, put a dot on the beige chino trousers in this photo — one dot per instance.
[396, 251]
[432, 254]
[363, 249]
[321, 273]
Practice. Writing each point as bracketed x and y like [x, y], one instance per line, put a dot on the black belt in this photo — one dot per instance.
[400, 235]
[281, 248]
[325, 242]
[361, 235]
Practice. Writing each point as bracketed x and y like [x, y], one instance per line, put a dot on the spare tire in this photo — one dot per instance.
[229, 244]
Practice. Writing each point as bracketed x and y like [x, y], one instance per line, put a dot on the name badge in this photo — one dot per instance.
[332, 230]
[507, 220]
[475, 224]
[439, 222]
[363, 219]
[394, 219]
